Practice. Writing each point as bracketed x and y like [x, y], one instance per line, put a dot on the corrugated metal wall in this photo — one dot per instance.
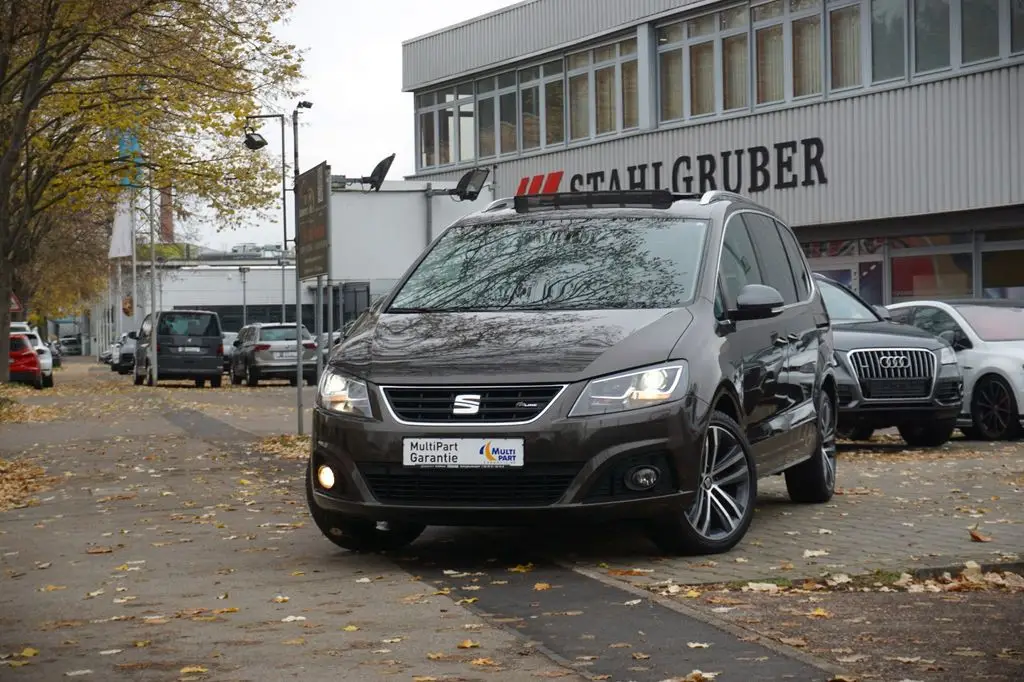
[952, 145]
[519, 31]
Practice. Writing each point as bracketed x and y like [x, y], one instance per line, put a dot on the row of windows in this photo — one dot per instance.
[751, 55]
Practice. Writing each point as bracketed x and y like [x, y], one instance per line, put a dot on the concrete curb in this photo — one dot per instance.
[696, 614]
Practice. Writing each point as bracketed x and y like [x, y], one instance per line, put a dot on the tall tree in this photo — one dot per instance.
[179, 76]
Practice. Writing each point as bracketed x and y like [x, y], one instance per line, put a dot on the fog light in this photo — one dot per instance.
[325, 475]
[642, 477]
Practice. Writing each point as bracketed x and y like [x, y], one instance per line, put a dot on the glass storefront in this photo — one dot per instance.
[987, 264]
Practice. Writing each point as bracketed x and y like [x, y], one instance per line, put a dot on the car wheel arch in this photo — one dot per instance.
[727, 402]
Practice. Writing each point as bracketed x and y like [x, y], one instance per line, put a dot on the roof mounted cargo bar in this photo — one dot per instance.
[720, 195]
[627, 198]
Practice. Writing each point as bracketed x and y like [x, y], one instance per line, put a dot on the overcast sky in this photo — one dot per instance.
[353, 76]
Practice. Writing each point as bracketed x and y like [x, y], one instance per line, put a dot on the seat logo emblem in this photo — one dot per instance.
[894, 361]
[467, 403]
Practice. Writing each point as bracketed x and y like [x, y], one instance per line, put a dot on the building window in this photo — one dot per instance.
[579, 96]
[934, 276]
[1016, 26]
[700, 33]
[487, 144]
[735, 59]
[1001, 275]
[509, 129]
[670, 72]
[529, 107]
[979, 30]
[554, 103]
[604, 90]
[630, 84]
[428, 147]
[844, 41]
[888, 39]
[806, 31]
[769, 52]
[931, 35]
[467, 138]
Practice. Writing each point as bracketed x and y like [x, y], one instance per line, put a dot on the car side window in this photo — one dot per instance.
[147, 326]
[738, 266]
[935, 320]
[796, 262]
[771, 256]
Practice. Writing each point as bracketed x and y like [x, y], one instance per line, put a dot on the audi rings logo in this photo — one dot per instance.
[894, 361]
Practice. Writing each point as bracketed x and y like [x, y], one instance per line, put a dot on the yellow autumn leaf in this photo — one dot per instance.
[522, 568]
[540, 587]
[819, 613]
[28, 652]
[350, 628]
[244, 481]
[468, 600]
[469, 644]
[229, 609]
[297, 640]
[279, 599]
[438, 656]
[52, 588]
[141, 643]
[193, 669]
[482, 661]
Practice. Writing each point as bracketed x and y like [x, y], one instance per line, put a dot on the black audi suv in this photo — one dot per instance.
[587, 356]
[890, 374]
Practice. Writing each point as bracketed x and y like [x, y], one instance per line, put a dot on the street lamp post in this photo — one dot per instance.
[298, 282]
[254, 141]
[245, 313]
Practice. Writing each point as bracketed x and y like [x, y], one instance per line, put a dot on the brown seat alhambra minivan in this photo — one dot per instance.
[587, 356]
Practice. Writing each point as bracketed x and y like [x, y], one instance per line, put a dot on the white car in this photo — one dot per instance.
[988, 338]
[43, 351]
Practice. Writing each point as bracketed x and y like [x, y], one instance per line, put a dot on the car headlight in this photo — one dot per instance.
[632, 391]
[343, 394]
[947, 356]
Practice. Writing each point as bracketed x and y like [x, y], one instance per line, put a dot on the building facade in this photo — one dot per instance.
[889, 133]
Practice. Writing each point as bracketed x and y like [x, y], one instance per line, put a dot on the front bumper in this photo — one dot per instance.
[189, 368]
[944, 401]
[284, 371]
[573, 469]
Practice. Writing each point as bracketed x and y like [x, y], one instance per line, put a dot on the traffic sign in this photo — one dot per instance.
[16, 303]
[312, 248]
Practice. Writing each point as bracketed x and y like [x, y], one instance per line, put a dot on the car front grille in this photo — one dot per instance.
[532, 485]
[894, 373]
[475, 404]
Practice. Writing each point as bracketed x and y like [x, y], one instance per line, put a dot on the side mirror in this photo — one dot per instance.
[40, 351]
[883, 312]
[955, 338]
[757, 302]
[236, 343]
[133, 336]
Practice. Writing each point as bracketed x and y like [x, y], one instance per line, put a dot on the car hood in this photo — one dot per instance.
[520, 347]
[883, 334]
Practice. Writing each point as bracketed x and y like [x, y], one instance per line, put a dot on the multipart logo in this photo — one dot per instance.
[494, 454]
[547, 183]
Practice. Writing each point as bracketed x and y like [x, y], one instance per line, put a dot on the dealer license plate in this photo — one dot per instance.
[190, 349]
[462, 453]
[284, 355]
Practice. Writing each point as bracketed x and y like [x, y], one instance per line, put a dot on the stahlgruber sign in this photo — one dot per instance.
[16, 303]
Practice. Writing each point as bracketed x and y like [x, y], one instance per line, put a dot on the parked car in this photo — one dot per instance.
[890, 374]
[42, 351]
[229, 349]
[56, 352]
[71, 345]
[123, 361]
[987, 336]
[23, 362]
[325, 347]
[591, 355]
[188, 346]
[267, 351]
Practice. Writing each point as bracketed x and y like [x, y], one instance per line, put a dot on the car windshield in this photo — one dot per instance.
[558, 264]
[188, 324]
[844, 308]
[281, 333]
[995, 323]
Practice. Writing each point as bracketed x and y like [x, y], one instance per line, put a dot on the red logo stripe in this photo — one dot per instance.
[552, 183]
[521, 190]
[535, 184]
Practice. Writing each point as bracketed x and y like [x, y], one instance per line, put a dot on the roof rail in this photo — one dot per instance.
[627, 198]
[720, 195]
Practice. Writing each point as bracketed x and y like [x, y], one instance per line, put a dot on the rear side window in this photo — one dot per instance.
[281, 334]
[189, 324]
[18, 345]
[771, 256]
[796, 262]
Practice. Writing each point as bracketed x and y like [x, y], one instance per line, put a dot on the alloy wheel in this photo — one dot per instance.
[994, 408]
[724, 490]
[827, 433]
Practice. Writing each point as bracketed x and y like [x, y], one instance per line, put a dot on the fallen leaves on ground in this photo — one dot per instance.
[13, 412]
[977, 536]
[540, 587]
[19, 481]
[469, 644]
[285, 446]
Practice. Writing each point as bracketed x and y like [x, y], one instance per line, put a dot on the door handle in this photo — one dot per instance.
[794, 337]
[822, 325]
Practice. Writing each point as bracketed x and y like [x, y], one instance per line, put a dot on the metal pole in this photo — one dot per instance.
[135, 262]
[318, 321]
[330, 316]
[298, 282]
[152, 277]
[245, 311]
[117, 302]
[284, 220]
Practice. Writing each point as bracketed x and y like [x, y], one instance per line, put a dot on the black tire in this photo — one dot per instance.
[855, 432]
[994, 410]
[48, 381]
[235, 379]
[150, 381]
[928, 435]
[200, 383]
[311, 381]
[252, 377]
[359, 535]
[727, 477]
[38, 383]
[215, 382]
[138, 378]
[293, 382]
[813, 481]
